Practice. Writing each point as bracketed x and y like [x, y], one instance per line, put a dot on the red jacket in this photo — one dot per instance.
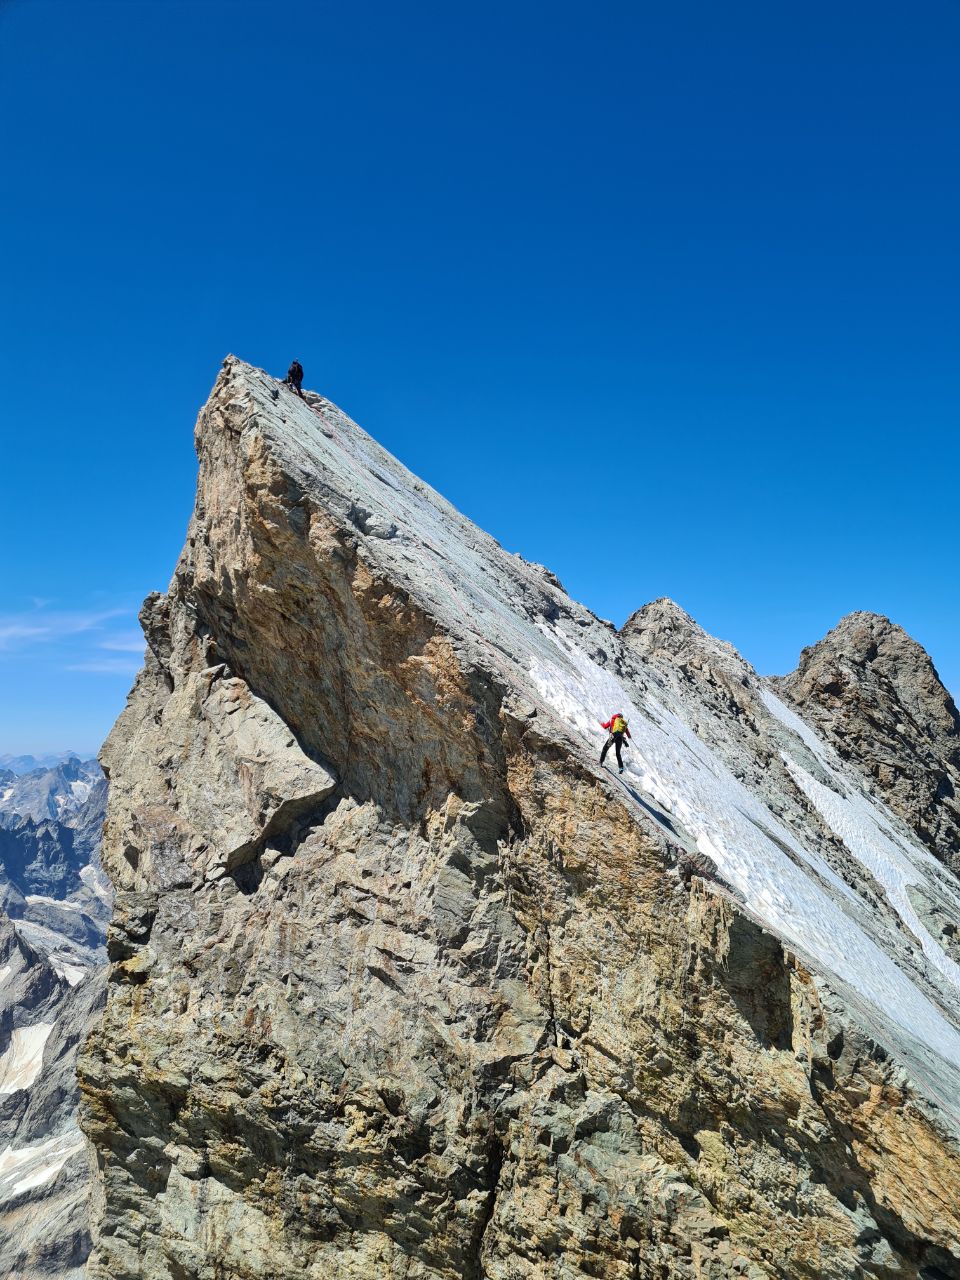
[611, 720]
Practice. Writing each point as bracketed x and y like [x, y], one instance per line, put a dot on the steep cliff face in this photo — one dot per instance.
[404, 985]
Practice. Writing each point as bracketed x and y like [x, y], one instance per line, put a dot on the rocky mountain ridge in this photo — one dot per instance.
[50, 793]
[54, 908]
[404, 985]
[51, 882]
[875, 696]
[19, 764]
[45, 1174]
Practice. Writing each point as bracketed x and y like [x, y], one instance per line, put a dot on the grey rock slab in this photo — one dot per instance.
[404, 985]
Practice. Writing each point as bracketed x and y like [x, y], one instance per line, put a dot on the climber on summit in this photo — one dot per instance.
[617, 726]
[295, 377]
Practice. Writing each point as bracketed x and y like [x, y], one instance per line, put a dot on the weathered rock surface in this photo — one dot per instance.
[874, 695]
[404, 985]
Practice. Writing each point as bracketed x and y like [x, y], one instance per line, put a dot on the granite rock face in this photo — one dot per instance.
[404, 985]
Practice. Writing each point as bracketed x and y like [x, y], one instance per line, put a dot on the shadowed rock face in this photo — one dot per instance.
[404, 985]
[874, 694]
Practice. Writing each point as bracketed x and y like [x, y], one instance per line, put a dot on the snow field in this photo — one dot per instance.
[687, 780]
[895, 861]
[20, 1064]
[28, 1167]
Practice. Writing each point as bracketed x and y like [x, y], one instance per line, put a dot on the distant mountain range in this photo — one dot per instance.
[27, 764]
[54, 909]
[55, 791]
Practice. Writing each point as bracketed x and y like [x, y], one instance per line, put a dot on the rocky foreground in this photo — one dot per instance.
[404, 985]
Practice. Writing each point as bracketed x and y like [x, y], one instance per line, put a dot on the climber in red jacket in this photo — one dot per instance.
[618, 731]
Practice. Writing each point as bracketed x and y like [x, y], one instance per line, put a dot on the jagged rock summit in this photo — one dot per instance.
[874, 694]
[404, 985]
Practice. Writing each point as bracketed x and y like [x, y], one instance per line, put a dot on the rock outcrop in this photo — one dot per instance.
[875, 696]
[404, 985]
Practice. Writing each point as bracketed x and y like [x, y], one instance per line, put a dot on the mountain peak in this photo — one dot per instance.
[874, 693]
[393, 945]
[662, 612]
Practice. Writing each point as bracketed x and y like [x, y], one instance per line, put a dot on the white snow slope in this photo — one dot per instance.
[513, 619]
[25, 1168]
[20, 1064]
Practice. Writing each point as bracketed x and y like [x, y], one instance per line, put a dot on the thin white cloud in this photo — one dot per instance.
[107, 666]
[41, 626]
[12, 633]
[124, 642]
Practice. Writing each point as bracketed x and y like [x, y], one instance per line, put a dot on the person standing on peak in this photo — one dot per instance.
[617, 726]
[295, 377]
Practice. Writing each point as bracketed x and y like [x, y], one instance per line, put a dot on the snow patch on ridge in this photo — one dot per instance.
[63, 903]
[686, 779]
[893, 860]
[527, 629]
[21, 1063]
[22, 1169]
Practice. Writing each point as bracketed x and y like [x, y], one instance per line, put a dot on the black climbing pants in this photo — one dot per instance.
[616, 741]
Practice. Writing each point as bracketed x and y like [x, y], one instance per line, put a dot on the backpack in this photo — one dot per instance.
[619, 724]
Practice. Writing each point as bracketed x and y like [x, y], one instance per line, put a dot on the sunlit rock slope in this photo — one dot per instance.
[404, 985]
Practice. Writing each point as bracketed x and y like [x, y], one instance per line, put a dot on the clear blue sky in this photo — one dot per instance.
[662, 295]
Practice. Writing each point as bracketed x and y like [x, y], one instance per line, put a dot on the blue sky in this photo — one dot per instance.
[664, 296]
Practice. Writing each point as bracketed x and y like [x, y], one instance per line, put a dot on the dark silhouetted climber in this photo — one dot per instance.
[295, 377]
[618, 731]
